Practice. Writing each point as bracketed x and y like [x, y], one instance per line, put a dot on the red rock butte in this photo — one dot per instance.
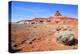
[56, 18]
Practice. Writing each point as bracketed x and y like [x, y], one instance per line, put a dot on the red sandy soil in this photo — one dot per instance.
[41, 35]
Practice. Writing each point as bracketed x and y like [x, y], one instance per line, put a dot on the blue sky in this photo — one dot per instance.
[29, 10]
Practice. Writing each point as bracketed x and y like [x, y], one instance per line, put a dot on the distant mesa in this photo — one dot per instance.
[52, 19]
[24, 22]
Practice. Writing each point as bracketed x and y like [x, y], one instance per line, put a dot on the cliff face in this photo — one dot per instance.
[40, 19]
[62, 19]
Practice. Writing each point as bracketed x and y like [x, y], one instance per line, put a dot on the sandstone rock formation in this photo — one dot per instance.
[57, 13]
[57, 18]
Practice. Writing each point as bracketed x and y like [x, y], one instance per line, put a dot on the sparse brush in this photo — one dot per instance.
[35, 26]
[65, 36]
[67, 27]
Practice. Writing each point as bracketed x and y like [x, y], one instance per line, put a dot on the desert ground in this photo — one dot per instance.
[39, 37]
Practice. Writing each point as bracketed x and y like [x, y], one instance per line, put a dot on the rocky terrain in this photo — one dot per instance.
[41, 36]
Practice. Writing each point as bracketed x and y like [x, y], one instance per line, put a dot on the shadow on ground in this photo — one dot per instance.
[73, 42]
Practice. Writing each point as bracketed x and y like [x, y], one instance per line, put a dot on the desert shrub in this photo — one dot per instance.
[67, 27]
[29, 39]
[35, 27]
[63, 27]
[65, 36]
[13, 48]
